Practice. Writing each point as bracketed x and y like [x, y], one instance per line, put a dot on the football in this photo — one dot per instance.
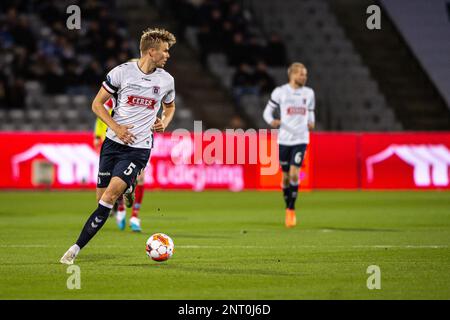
[159, 247]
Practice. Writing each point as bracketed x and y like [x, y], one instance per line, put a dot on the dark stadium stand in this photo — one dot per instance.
[348, 98]
[404, 79]
[425, 26]
[49, 74]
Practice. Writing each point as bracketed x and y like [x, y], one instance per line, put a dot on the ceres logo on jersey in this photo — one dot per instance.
[141, 102]
[296, 110]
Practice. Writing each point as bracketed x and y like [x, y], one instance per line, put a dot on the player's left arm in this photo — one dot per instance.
[167, 116]
[311, 116]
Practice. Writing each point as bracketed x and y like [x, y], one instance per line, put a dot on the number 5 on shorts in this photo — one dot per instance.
[129, 169]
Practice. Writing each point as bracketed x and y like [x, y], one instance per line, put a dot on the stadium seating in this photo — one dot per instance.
[425, 24]
[313, 36]
[68, 107]
[347, 96]
[393, 60]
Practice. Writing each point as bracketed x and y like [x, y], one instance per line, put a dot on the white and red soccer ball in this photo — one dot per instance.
[159, 247]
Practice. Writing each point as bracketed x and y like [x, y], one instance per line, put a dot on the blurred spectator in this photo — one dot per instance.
[91, 10]
[275, 54]
[226, 27]
[3, 91]
[254, 51]
[62, 61]
[228, 32]
[54, 79]
[236, 122]
[93, 75]
[16, 93]
[109, 50]
[237, 53]
[72, 77]
[215, 25]
[12, 92]
[263, 79]
[49, 12]
[236, 17]
[210, 34]
[19, 64]
[203, 37]
[183, 11]
[243, 82]
[21, 32]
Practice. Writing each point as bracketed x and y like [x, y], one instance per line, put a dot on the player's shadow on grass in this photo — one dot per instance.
[144, 265]
[357, 229]
[212, 270]
[235, 271]
[199, 236]
[96, 257]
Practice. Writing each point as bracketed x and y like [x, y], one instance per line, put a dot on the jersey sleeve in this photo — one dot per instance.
[170, 96]
[274, 100]
[272, 104]
[311, 107]
[113, 80]
[312, 102]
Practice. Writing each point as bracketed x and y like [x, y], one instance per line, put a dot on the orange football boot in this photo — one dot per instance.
[291, 220]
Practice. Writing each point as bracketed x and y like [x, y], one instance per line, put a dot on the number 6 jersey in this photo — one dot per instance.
[296, 110]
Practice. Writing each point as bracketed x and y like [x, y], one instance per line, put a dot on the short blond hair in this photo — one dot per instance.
[153, 37]
[294, 66]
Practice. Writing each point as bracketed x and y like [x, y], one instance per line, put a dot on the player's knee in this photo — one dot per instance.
[110, 196]
[99, 193]
[293, 178]
[285, 179]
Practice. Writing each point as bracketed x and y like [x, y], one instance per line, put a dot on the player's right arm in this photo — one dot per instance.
[100, 126]
[272, 104]
[97, 107]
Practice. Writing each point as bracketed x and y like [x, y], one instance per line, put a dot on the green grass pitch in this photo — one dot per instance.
[232, 246]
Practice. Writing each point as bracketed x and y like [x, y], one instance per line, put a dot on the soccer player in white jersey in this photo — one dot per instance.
[133, 198]
[296, 103]
[140, 88]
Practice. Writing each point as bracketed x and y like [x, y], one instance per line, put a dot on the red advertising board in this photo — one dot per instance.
[195, 162]
[235, 161]
[405, 160]
[334, 158]
[67, 157]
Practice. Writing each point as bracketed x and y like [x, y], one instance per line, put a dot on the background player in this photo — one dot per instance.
[296, 103]
[141, 88]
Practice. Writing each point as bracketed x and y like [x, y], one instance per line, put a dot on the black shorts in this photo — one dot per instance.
[291, 156]
[118, 160]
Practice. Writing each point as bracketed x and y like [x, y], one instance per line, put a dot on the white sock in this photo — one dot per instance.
[75, 248]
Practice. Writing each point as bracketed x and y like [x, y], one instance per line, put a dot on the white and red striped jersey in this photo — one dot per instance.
[138, 99]
[296, 111]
